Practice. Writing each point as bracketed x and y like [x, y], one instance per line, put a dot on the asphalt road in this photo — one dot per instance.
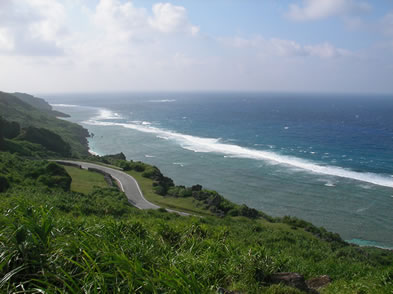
[128, 184]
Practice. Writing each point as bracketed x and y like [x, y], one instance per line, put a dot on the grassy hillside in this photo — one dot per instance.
[59, 241]
[63, 231]
[84, 181]
[15, 110]
[39, 103]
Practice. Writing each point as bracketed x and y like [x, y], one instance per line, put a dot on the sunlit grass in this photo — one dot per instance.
[84, 181]
[56, 241]
[182, 204]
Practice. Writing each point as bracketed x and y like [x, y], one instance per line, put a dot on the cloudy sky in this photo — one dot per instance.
[254, 45]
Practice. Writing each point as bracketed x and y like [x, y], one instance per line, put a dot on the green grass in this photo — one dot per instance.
[181, 204]
[62, 242]
[13, 109]
[58, 241]
[188, 205]
[84, 181]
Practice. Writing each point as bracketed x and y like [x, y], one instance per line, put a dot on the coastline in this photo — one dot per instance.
[93, 152]
[161, 161]
[357, 242]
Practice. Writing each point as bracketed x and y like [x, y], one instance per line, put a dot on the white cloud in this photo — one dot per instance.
[321, 9]
[31, 27]
[6, 40]
[168, 18]
[125, 22]
[120, 21]
[50, 19]
[326, 50]
[116, 45]
[288, 48]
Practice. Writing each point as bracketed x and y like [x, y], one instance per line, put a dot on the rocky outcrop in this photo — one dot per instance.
[225, 291]
[296, 280]
[318, 282]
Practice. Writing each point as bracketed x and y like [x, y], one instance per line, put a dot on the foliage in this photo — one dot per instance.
[53, 240]
[26, 115]
[4, 185]
[8, 129]
[164, 186]
[25, 148]
[46, 138]
[25, 172]
[309, 227]
[84, 181]
[55, 176]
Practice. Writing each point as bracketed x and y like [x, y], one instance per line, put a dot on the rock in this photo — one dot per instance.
[318, 282]
[214, 201]
[290, 279]
[225, 291]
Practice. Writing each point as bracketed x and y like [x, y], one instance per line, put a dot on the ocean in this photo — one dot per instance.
[324, 158]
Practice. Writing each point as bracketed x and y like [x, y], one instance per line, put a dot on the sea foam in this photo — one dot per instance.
[162, 101]
[64, 105]
[213, 145]
[105, 114]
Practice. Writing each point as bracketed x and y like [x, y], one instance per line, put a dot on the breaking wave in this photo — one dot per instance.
[162, 101]
[64, 105]
[213, 145]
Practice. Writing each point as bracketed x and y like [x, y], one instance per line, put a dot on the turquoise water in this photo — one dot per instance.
[326, 159]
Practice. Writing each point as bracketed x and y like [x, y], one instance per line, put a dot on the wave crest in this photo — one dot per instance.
[213, 145]
[162, 101]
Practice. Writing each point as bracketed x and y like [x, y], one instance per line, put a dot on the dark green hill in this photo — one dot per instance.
[39, 103]
[15, 110]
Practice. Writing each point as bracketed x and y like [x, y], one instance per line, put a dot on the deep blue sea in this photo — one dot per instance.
[325, 158]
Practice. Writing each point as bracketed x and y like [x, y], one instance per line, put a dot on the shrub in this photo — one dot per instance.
[4, 185]
[248, 212]
[46, 138]
[8, 129]
[55, 176]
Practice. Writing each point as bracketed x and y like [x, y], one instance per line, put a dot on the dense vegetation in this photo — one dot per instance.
[84, 181]
[13, 109]
[39, 103]
[206, 199]
[61, 241]
[56, 240]
[31, 141]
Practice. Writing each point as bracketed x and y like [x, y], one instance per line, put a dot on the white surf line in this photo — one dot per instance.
[198, 144]
[64, 105]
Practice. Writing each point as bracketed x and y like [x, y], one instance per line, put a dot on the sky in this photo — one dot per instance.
[329, 46]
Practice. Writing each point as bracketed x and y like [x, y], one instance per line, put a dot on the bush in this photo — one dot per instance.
[46, 138]
[55, 176]
[4, 185]
[248, 212]
[8, 129]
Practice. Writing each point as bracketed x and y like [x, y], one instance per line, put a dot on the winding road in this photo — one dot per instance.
[127, 183]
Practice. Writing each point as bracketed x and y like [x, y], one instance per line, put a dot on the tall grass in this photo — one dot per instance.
[56, 241]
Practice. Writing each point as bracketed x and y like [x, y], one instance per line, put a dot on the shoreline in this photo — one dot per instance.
[357, 242]
[360, 243]
[93, 152]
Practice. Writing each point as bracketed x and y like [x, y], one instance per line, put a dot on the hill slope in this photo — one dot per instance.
[39, 103]
[54, 240]
[14, 109]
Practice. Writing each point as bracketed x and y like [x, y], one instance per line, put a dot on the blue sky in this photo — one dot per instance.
[185, 45]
